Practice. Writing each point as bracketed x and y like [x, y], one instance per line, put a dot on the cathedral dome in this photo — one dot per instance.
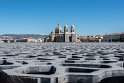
[58, 29]
[72, 26]
[66, 25]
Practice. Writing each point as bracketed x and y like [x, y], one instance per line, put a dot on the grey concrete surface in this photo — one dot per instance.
[62, 62]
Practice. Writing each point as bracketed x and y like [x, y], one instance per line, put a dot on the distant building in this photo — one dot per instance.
[7, 39]
[30, 40]
[96, 38]
[39, 40]
[46, 39]
[66, 36]
[114, 37]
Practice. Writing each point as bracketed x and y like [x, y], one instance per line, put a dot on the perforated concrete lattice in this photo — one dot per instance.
[63, 62]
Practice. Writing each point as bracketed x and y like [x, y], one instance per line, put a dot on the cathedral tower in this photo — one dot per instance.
[72, 29]
[65, 28]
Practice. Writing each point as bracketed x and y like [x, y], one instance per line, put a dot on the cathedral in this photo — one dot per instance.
[63, 36]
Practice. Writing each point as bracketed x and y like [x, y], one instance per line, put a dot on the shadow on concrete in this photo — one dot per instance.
[119, 79]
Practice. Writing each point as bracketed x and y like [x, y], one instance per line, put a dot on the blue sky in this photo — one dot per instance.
[90, 17]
